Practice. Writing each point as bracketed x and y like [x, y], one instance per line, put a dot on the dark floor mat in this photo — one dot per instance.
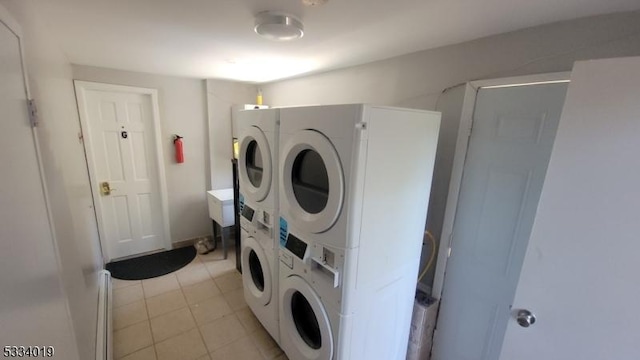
[150, 266]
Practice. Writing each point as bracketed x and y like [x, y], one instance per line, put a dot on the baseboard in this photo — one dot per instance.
[190, 242]
[104, 338]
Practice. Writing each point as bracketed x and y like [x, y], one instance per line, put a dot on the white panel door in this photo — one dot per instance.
[121, 151]
[33, 307]
[580, 273]
[507, 157]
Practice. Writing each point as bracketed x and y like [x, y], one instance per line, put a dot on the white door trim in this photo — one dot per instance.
[81, 87]
[460, 156]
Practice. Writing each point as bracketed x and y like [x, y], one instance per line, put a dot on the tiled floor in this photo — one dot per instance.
[196, 313]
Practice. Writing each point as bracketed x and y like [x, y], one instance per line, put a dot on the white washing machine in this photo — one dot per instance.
[260, 279]
[258, 177]
[354, 192]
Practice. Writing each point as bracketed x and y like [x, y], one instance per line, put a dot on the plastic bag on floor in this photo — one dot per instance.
[204, 245]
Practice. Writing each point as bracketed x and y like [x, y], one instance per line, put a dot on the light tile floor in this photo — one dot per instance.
[195, 313]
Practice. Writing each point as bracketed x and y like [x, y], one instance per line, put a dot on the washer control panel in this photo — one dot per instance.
[296, 246]
[286, 259]
[247, 213]
[294, 249]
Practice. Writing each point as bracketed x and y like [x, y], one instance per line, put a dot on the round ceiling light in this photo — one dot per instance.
[314, 2]
[278, 26]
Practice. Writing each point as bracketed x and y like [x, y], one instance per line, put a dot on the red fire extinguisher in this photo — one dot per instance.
[177, 143]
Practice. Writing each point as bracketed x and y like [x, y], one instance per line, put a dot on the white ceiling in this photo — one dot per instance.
[215, 38]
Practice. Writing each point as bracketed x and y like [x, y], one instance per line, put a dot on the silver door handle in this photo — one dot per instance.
[525, 318]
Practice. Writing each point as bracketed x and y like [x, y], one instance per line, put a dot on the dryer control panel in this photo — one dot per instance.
[247, 212]
[296, 246]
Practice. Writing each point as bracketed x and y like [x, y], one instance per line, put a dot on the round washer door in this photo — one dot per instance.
[313, 181]
[305, 321]
[256, 274]
[254, 164]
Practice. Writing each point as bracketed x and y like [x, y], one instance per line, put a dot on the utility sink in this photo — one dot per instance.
[221, 206]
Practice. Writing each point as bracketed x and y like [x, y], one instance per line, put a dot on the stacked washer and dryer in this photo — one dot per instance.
[353, 189]
[258, 179]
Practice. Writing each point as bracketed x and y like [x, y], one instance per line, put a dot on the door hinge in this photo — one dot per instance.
[33, 112]
[449, 245]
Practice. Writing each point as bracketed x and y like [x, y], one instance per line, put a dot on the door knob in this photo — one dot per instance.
[105, 189]
[525, 318]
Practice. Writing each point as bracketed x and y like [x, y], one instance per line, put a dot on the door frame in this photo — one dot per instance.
[80, 88]
[460, 157]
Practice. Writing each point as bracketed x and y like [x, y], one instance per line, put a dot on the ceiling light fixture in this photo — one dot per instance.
[278, 26]
[314, 2]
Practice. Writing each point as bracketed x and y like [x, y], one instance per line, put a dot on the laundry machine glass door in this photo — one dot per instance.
[254, 164]
[305, 321]
[257, 276]
[312, 180]
[255, 269]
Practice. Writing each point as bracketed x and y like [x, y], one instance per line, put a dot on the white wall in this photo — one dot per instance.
[77, 244]
[182, 111]
[221, 96]
[417, 80]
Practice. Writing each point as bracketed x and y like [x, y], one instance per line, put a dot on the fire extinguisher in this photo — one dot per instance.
[177, 143]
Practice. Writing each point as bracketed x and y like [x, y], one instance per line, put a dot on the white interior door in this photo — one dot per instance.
[33, 307]
[119, 126]
[580, 273]
[507, 157]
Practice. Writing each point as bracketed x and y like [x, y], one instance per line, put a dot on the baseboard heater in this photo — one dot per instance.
[104, 338]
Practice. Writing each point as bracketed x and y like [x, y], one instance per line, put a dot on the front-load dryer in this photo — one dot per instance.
[258, 134]
[355, 182]
[257, 165]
